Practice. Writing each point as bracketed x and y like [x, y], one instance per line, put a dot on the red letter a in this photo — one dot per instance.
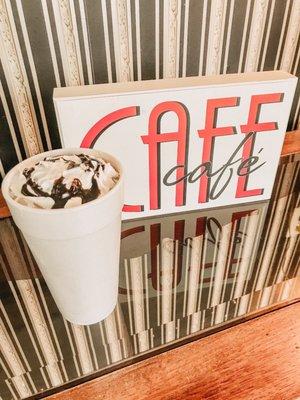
[155, 138]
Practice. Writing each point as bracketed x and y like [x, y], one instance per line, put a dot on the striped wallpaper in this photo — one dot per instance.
[178, 275]
[50, 43]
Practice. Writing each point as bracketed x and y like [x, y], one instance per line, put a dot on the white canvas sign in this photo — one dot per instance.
[185, 144]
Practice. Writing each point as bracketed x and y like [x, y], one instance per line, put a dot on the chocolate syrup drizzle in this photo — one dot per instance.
[59, 188]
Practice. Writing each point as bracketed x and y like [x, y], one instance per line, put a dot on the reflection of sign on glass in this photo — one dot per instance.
[220, 245]
[188, 143]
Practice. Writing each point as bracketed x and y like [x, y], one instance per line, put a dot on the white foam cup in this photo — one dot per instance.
[77, 249]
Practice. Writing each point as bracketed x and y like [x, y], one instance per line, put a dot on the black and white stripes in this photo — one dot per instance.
[179, 274]
[46, 44]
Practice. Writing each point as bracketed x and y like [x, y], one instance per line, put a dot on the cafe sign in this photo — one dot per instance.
[186, 143]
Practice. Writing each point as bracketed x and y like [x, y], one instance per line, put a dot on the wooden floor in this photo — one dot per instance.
[258, 359]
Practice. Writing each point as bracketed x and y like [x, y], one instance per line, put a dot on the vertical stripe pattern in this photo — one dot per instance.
[46, 44]
[177, 277]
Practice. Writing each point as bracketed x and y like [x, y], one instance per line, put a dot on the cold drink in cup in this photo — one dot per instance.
[68, 204]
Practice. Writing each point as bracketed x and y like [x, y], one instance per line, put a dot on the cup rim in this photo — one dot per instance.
[73, 150]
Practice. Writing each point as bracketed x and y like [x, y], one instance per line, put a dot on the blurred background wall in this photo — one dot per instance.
[50, 43]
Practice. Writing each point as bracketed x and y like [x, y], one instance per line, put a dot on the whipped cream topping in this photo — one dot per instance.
[63, 181]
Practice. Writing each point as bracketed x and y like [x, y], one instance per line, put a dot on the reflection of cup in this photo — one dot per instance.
[77, 249]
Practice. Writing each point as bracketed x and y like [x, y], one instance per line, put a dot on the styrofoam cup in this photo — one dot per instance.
[77, 249]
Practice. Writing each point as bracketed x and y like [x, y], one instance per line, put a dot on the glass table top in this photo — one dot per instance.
[182, 276]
